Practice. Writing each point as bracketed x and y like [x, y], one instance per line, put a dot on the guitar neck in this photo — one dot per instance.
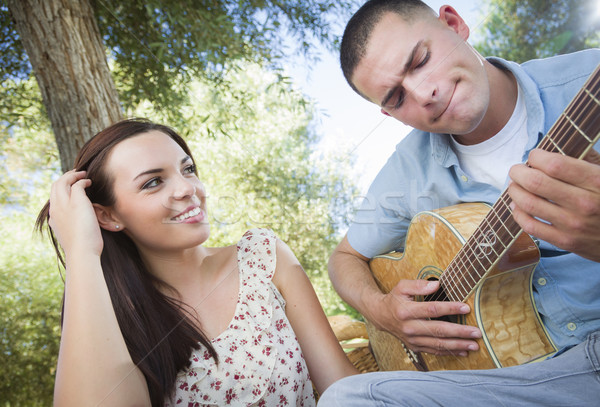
[573, 134]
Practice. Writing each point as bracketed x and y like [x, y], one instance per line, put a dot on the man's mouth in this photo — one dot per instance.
[447, 105]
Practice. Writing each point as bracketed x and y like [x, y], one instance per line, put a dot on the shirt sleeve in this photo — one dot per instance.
[380, 225]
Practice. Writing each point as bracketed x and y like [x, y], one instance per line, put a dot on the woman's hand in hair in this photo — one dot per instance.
[72, 216]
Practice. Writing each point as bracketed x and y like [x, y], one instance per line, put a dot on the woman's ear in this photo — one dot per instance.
[106, 219]
[450, 17]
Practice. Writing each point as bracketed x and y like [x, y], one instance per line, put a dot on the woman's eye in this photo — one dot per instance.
[154, 182]
[190, 169]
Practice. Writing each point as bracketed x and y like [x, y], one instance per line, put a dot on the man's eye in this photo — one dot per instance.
[424, 60]
[154, 182]
[400, 100]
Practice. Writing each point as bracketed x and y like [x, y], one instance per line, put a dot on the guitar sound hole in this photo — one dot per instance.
[456, 319]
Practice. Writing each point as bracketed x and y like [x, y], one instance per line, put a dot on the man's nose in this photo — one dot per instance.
[422, 90]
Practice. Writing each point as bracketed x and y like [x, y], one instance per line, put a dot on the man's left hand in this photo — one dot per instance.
[564, 192]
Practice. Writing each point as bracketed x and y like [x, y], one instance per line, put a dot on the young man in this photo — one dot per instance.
[474, 119]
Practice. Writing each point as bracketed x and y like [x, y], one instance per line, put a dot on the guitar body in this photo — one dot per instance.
[501, 304]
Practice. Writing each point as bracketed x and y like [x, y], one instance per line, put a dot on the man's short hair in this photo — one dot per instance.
[361, 25]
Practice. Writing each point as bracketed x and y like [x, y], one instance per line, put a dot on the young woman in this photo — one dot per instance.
[151, 315]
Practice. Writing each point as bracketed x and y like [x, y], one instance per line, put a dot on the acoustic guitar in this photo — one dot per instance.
[481, 257]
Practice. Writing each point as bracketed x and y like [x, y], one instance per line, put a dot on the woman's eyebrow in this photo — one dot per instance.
[152, 171]
[158, 170]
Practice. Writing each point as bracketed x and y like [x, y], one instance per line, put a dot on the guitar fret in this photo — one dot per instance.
[469, 269]
[453, 279]
[557, 146]
[451, 293]
[455, 274]
[487, 241]
[485, 256]
[501, 236]
[482, 250]
[582, 115]
[577, 128]
[503, 224]
[505, 201]
[458, 288]
[592, 96]
[480, 263]
[472, 283]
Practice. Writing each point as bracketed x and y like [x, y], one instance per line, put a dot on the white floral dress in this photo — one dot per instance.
[260, 360]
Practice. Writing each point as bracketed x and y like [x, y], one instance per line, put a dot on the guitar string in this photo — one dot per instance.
[463, 266]
[569, 122]
[454, 278]
[504, 214]
[580, 109]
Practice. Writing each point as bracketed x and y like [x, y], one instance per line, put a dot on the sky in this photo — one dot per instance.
[349, 121]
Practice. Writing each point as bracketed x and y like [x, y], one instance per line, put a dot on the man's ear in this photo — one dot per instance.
[453, 20]
[106, 219]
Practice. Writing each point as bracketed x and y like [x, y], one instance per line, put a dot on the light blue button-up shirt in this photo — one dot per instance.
[424, 174]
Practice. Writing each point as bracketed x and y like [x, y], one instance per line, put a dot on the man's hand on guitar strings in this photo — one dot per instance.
[565, 193]
[414, 322]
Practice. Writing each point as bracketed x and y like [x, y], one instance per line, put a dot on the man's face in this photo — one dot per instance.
[425, 74]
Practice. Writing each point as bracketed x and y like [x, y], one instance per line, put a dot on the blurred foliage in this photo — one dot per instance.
[520, 30]
[154, 47]
[31, 291]
[28, 150]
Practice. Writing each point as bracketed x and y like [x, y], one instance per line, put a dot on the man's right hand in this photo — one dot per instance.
[415, 323]
[397, 312]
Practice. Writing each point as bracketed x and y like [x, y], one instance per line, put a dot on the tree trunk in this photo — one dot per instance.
[67, 54]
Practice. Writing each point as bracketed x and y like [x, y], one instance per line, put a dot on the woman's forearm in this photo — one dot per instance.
[94, 365]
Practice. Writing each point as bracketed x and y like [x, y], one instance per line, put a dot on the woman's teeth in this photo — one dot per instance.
[189, 214]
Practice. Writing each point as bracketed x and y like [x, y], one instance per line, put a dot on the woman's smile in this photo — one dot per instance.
[192, 214]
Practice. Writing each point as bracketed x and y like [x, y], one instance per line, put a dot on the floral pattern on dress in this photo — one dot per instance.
[260, 360]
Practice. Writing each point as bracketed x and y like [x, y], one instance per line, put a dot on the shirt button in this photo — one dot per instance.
[571, 326]
[541, 281]
[464, 178]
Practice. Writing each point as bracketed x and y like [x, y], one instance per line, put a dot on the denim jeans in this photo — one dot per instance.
[570, 379]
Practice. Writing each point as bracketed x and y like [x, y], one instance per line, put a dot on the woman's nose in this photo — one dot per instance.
[184, 188]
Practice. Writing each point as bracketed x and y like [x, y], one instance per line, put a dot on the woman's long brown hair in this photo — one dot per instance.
[159, 332]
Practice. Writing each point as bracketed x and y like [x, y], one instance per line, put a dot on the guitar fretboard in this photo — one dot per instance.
[573, 134]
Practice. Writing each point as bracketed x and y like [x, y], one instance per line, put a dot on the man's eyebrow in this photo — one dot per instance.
[158, 170]
[407, 65]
